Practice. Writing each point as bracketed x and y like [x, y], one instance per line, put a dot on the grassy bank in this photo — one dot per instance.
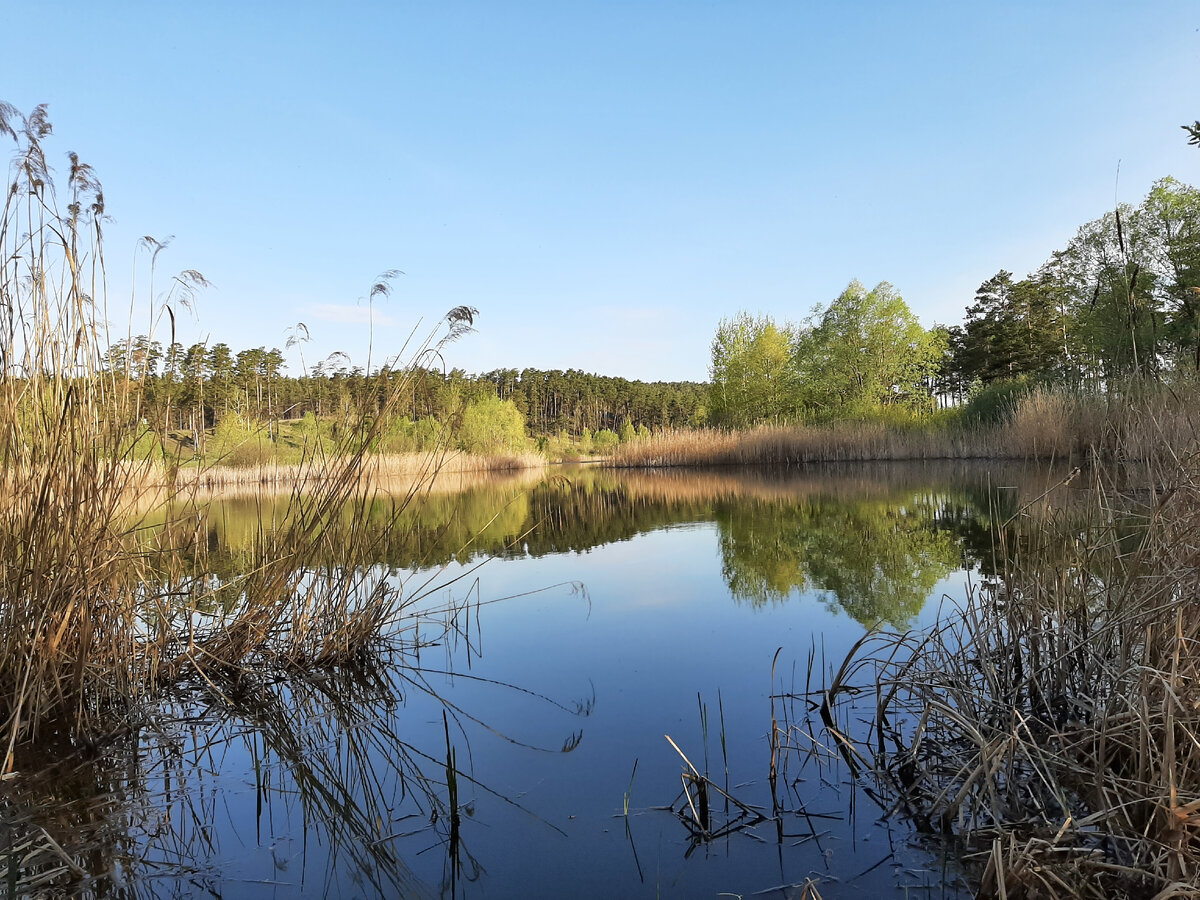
[1141, 421]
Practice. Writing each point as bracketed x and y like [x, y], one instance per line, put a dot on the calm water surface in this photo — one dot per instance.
[612, 610]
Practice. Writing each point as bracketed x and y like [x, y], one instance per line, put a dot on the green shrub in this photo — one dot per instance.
[604, 440]
[398, 437]
[995, 403]
[240, 443]
[492, 426]
[558, 446]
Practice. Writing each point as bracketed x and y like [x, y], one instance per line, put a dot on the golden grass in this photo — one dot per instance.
[373, 468]
[797, 445]
[1138, 421]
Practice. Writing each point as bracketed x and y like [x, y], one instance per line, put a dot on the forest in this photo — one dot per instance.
[203, 392]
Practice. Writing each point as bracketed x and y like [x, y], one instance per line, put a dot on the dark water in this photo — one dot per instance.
[576, 621]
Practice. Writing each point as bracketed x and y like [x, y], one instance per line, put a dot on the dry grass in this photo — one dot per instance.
[373, 468]
[1139, 421]
[105, 615]
[796, 445]
[97, 613]
[1051, 727]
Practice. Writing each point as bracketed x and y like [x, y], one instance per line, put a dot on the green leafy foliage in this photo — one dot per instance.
[1193, 131]
[867, 351]
[492, 426]
[995, 403]
[752, 373]
[864, 354]
[604, 440]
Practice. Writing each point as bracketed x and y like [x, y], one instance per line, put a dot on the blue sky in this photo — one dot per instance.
[603, 180]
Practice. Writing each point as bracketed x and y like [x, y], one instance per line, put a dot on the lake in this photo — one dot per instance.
[571, 636]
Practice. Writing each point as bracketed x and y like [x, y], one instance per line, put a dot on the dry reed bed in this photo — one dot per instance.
[797, 445]
[375, 468]
[100, 614]
[96, 613]
[1051, 727]
[1141, 421]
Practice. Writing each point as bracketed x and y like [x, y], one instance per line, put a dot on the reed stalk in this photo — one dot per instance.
[97, 614]
[1135, 421]
[1049, 727]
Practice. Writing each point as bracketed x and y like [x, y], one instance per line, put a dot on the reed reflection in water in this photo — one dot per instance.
[405, 775]
[324, 784]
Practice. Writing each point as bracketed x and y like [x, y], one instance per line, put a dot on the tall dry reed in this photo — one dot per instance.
[96, 615]
[1141, 421]
[374, 468]
[800, 444]
[1050, 727]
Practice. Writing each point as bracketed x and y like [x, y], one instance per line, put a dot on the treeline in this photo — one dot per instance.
[1121, 300]
[193, 388]
[576, 401]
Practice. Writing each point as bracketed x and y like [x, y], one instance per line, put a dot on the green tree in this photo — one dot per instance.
[1012, 329]
[492, 425]
[1115, 304]
[220, 365]
[866, 351]
[751, 374]
[1170, 216]
[1193, 131]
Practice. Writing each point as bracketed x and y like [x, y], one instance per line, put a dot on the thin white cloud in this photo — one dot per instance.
[349, 314]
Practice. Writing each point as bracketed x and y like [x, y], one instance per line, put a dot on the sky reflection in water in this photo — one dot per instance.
[631, 602]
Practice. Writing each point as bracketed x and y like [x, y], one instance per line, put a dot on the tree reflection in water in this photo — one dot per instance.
[876, 558]
[336, 781]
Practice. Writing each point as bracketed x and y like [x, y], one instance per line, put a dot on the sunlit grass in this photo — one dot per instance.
[1133, 421]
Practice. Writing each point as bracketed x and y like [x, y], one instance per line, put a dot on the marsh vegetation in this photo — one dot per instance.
[1046, 724]
[112, 636]
[268, 765]
[241, 618]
